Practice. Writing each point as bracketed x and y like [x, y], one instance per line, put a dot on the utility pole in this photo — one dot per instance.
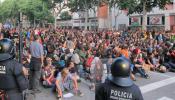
[20, 39]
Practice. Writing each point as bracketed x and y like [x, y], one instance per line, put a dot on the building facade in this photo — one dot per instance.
[157, 18]
[118, 19]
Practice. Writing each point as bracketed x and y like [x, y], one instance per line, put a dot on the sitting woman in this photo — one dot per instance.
[48, 74]
[66, 82]
[137, 61]
[72, 69]
[59, 62]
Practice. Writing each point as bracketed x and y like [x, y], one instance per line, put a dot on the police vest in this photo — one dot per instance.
[110, 91]
[11, 76]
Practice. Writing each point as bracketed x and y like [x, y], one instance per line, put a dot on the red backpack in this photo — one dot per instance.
[89, 61]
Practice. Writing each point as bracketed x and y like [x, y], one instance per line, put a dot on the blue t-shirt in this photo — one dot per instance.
[28, 35]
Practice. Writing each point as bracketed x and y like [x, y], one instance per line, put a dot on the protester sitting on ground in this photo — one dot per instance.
[124, 51]
[138, 64]
[154, 63]
[65, 82]
[59, 63]
[167, 58]
[48, 79]
[72, 69]
[171, 63]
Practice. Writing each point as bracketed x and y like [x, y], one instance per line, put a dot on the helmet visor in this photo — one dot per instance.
[121, 81]
[5, 56]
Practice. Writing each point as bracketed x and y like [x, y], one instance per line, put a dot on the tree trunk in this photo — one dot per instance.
[34, 22]
[55, 22]
[86, 19]
[144, 24]
[109, 18]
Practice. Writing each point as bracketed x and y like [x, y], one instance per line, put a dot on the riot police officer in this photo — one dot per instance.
[119, 86]
[12, 73]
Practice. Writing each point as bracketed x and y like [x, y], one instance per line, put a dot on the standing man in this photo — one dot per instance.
[119, 86]
[36, 50]
[12, 73]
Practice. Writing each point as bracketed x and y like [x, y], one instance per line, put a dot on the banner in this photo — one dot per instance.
[135, 21]
[155, 20]
[103, 11]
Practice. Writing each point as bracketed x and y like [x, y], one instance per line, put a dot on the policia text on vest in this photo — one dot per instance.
[2, 70]
[120, 95]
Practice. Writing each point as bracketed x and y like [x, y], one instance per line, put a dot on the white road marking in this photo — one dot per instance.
[161, 74]
[165, 98]
[156, 85]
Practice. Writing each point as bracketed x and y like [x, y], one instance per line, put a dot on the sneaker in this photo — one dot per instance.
[59, 97]
[79, 93]
[147, 76]
[92, 88]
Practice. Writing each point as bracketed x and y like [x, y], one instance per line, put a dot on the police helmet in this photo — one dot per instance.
[120, 70]
[7, 50]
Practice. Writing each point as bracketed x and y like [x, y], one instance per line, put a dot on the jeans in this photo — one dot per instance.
[35, 74]
[34, 79]
[140, 70]
[80, 70]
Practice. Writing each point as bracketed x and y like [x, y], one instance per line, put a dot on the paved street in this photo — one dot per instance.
[158, 87]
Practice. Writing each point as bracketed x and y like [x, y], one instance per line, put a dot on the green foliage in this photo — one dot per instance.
[81, 5]
[7, 9]
[65, 16]
[33, 9]
[137, 5]
[52, 3]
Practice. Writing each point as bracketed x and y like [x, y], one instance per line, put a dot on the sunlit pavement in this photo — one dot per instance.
[160, 86]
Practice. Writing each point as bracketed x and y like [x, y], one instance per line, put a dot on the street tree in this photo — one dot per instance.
[65, 15]
[82, 6]
[8, 10]
[56, 7]
[33, 9]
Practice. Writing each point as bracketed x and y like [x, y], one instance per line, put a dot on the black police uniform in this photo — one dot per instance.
[110, 91]
[13, 82]
[119, 86]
